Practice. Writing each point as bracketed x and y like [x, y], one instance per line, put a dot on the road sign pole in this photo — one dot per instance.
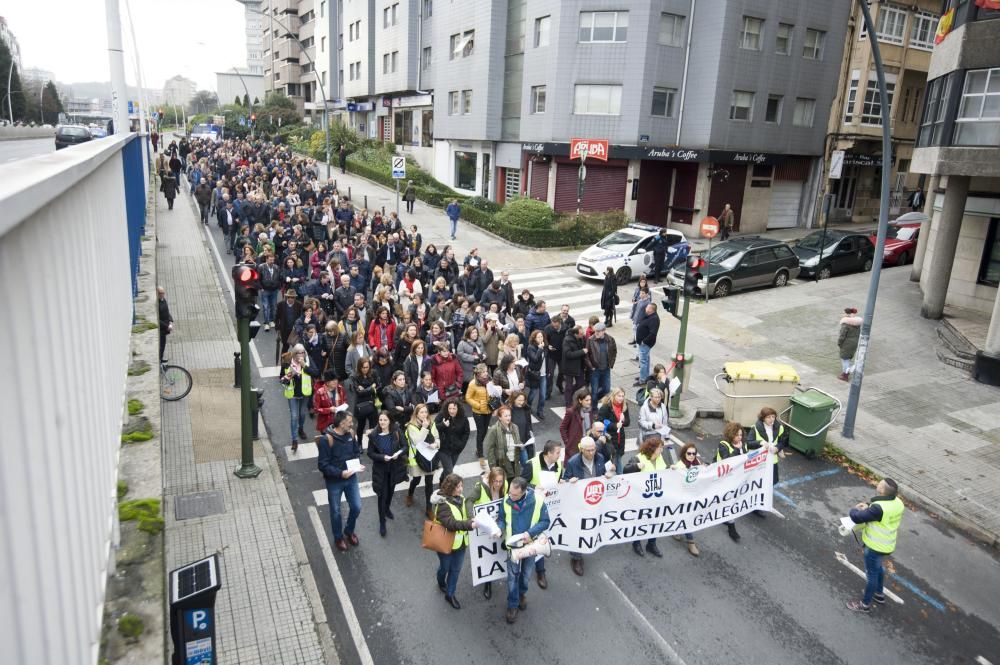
[246, 469]
[708, 278]
[675, 399]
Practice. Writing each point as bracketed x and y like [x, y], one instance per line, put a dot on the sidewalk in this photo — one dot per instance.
[920, 421]
[268, 610]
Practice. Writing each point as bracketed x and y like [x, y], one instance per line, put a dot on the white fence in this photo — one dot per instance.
[68, 244]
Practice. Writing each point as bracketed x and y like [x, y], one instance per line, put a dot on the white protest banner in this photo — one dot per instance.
[590, 514]
[488, 558]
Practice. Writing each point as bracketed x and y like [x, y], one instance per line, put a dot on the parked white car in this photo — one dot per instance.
[627, 250]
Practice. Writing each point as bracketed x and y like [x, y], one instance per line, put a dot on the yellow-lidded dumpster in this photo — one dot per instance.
[751, 385]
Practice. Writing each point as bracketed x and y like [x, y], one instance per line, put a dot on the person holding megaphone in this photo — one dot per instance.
[523, 518]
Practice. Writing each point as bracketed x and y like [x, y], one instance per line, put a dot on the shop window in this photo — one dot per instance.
[465, 170]
[427, 129]
[989, 269]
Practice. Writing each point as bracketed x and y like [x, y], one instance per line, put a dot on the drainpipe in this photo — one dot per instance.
[420, 49]
[687, 58]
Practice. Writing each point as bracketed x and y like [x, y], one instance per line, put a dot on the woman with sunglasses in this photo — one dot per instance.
[688, 458]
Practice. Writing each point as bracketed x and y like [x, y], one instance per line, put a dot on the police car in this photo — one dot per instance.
[628, 251]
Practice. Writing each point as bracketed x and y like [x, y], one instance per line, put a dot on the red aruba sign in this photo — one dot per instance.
[592, 148]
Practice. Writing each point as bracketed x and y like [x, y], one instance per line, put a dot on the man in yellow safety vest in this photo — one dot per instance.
[881, 518]
[548, 461]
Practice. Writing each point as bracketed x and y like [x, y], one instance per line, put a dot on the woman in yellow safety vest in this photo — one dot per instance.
[650, 459]
[421, 430]
[491, 486]
[297, 380]
[688, 458]
[731, 445]
[452, 510]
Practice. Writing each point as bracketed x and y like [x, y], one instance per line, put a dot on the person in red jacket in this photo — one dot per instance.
[328, 396]
[446, 372]
[382, 331]
[576, 421]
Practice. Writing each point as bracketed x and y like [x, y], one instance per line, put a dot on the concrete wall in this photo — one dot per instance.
[14, 133]
[756, 207]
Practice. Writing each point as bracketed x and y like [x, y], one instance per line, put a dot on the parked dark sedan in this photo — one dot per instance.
[67, 135]
[844, 251]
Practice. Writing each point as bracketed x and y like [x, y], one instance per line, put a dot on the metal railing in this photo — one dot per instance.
[70, 228]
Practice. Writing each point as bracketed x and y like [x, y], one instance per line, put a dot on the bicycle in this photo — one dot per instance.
[175, 382]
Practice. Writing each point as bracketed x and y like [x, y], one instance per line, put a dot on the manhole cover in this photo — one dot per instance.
[199, 504]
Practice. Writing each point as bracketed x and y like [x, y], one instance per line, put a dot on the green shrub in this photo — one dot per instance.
[480, 203]
[526, 213]
[130, 626]
[135, 407]
[594, 225]
[145, 511]
[122, 489]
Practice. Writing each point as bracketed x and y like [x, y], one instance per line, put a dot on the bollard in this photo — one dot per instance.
[256, 401]
[335, 183]
[383, 211]
[349, 198]
[236, 369]
[366, 202]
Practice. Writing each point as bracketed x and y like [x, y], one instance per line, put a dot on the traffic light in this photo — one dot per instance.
[253, 118]
[679, 360]
[670, 302]
[246, 283]
[693, 275]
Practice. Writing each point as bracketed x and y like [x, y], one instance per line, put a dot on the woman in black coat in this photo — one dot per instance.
[609, 296]
[388, 455]
[398, 399]
[453, 428]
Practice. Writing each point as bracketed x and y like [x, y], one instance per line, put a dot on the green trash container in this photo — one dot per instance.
[812, 413]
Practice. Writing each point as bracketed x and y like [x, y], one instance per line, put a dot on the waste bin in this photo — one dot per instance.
[810, 415]
[192, 611]
[752, 385]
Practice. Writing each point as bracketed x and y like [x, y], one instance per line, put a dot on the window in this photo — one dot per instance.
[802, 114]
[322, 44]
[340, 41]
[350, 32]
[751, 32]
[403, 126]
[538, 99]
[603, 26]
[465, 170]
[453, 102]
[671, 30]
[322, 9]
[871, 109]
[385, 17]
[852, 97]
[978, 119]
[385, 63]
[466, 102]
[812, 49]
[340, 77]
[350, 72]
[308, 42]
[395, 61]
[542, 26]
[663, 102]
[428, 8]
[462, 44]
[783, 42]
[395, 13]
[426, 58]
[922, 31]
[890, 24]
[427, 129]
[935, 109]
[773, 111]
[597, 99]
[989, 267]
[308, 16]
[741, 107]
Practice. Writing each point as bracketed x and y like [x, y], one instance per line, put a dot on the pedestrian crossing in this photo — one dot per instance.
[563, 287]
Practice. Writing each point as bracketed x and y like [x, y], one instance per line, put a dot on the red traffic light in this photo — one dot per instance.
[253, 117]
[696, 262]
[244, 274]
[679, 358]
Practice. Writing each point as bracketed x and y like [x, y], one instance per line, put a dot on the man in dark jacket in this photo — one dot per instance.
[168, 186]
[494, 294]
[203, 195]
[289, 312]
[645, 335]
[270, 284]
[343, 297]
[336, 448]
[537, 318]
[520, 514]
[601, 353]
[573, 354]
[484, 278]
[508, 289]
[166, 321]
[228, 221]
[321, 290]
[587, 463]
[659, 246]
[554, 333]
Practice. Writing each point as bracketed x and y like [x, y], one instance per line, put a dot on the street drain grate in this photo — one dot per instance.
[199, 504]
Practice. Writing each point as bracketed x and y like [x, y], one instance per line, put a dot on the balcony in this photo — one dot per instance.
[289, 72]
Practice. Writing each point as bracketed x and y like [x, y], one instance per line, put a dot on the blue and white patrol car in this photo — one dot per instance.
[628, 251]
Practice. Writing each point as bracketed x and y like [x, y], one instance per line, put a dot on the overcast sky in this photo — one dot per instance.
[193, 38]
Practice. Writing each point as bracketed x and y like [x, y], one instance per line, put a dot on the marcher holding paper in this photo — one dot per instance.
[398, 399]
[587, 463]
[881, 517]
[490, 487]
[654, 419]
[452, 510]
[335, 449]
[424, 443]
[614, 412]
[520, 513]
[328, 396]
[385, 448]
[520, 415]
[502, 441]
[650, 460]
[478, 399]
[427, 393]
[543, 473]
[453, 426]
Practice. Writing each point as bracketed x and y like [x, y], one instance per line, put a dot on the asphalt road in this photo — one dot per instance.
[11, 151]
[776, 597]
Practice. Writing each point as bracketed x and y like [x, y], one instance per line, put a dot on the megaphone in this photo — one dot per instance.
[538, 547]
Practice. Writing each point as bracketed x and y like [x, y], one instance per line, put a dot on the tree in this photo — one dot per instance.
[15, 95]
[246, 100]
[204, 101]
[52, 105]
[236, 101]
[279, 101]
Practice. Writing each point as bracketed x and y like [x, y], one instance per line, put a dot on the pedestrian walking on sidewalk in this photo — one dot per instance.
[452, 511]
[342, 156]
[847, 341]
[168, 185]
[409, 196]
[453, 211]
[609, 296]
[645, 335]
[727, 220]
[881, 517]
[337, 447]
[166, 321]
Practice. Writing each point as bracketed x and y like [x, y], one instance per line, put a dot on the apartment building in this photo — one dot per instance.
[905, 35]
[958, 146]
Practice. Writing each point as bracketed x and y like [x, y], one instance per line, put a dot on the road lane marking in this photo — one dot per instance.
[982, 661]
[784, 497]
[860, 573]
[342, 595]
[665, 647]
[808, 478]
[918, 592]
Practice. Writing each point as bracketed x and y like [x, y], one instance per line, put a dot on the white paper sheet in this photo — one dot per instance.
[354, 464]
[426, 450]
[493, 390]
[342, 407]
[486, 525]
[674, 385]
[433, 398]
[523, 362]
[548, 479]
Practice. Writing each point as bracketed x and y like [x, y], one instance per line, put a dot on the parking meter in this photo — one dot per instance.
[192, 611]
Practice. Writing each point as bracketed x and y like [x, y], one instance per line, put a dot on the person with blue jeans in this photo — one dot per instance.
[601, 352]
[297, 380]
[453, 211]
[452, 510]
[880, 520]
[536, 373]
[645, 336]
[337, 446]
[270, 284]
[521, 513]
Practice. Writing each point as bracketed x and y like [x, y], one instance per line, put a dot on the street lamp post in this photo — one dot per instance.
[319, 80]
[10, 106]
[246, 90]
[883, 224]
